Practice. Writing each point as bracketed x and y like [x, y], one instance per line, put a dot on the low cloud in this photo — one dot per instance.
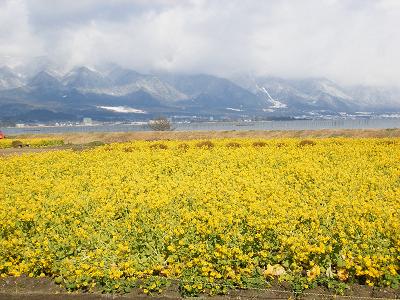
[351, 41]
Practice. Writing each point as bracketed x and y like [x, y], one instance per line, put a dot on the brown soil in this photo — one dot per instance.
[81, 138]
[44, 288]
[355, 292]
[19, 151]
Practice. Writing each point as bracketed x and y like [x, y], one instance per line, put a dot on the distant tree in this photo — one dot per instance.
[160, 124]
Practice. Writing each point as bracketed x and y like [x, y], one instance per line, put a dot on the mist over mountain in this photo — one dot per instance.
[111, 93]
[136, 59]
[353, 42]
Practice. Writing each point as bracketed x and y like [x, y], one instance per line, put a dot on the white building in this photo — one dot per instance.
[87, 121]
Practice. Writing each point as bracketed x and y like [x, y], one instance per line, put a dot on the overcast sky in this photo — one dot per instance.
[351, 41]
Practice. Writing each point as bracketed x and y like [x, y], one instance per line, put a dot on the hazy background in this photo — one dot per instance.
[350, 41]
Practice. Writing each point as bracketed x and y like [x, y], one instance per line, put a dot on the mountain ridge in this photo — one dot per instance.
[82, 91]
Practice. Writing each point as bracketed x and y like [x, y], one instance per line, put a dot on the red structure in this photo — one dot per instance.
[2, 136]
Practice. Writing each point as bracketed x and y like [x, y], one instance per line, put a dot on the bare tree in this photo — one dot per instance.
[160, 124]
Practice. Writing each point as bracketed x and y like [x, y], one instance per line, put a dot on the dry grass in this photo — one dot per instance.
[259, 144]
[109, 137]
[233, 145]
[205, 144]
[280, 145]
[183, 147]
[307, 143]
[158, 146]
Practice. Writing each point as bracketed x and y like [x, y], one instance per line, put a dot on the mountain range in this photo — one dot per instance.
[116, 93]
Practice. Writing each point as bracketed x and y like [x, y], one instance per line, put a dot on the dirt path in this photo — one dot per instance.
[13, 288]
[19, 151]
[108, 137]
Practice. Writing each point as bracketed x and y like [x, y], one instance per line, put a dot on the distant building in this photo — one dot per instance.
[87, 121]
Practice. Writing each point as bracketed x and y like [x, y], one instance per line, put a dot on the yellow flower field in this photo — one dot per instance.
[34, 143]
[225, 213]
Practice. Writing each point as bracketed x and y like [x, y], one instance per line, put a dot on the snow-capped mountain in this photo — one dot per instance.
[121, 76]
[120, 82]
[85, 79]
[271, 102]
[9, 79]
[305, 94]
[148, 84]
[114, 92]
[44, 80]
[375, 98]
[210, 92]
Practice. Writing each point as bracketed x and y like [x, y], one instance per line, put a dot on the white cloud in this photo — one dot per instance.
[17, 39]
[353, 41]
